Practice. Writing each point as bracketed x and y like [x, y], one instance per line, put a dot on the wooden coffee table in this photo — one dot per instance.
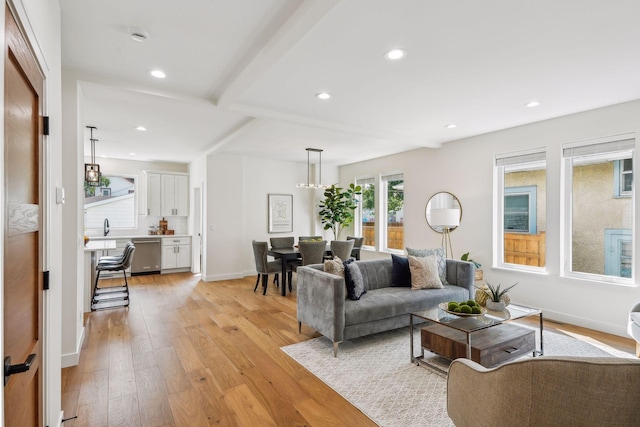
[488, 339]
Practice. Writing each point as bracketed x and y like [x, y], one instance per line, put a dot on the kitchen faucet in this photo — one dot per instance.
[106, 226]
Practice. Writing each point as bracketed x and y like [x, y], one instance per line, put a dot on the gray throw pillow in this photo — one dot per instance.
[353, 280]
[440, 258]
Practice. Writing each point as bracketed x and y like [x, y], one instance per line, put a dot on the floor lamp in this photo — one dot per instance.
[448, 219]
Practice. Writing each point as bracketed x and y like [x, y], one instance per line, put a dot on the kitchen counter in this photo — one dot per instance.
[137, 236]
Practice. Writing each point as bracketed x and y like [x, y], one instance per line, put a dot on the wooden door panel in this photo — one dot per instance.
[22, 251]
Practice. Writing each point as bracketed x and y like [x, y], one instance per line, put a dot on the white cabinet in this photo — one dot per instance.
[167, 194]
[154, 194]
[175, 195]
[176, 252]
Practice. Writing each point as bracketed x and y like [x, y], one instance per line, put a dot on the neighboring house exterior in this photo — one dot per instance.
[115, 203]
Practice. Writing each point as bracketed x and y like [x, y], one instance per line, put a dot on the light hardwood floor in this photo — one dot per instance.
[190, 353]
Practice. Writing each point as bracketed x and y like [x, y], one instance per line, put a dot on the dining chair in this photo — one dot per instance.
[358, 242]
[282, 242]
[113, 296]
[312, 252]
[264, 267]
[309, 238]
[342, 248]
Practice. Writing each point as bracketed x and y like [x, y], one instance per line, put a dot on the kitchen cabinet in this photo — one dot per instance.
[167, 194]
[175, 195]
[176, 252]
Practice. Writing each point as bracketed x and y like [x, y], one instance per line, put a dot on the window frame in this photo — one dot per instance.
[533, 159]
[618, 179]
[618, 150]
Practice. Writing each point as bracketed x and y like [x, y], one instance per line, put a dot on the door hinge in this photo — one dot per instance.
[45, 125]
[45, 280]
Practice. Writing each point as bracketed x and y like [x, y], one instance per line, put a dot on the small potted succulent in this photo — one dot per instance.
[497, 299]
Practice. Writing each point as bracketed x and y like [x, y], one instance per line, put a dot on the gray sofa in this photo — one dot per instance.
[323, 303]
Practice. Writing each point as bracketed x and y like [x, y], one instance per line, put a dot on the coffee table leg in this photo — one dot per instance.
[411, 335]
[541, 343]
[469, 345]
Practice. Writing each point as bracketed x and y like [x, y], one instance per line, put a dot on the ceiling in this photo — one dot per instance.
[242, 75]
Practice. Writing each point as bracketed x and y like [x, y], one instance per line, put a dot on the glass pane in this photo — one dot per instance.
[524, 215]
[594, 211]
[627, 182]
[395, 214]
[516, 212]
[114, 200]
[369, 214]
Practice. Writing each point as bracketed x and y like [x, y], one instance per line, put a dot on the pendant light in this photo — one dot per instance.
[92, 175]
[318, 183]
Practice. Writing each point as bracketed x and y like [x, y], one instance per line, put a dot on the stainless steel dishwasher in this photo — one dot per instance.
[147, 257]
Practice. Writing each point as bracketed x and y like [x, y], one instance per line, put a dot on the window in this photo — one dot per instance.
[623, 177]
[393, 208]
[114, 199]
[520, 210]
[366, 226]
[598, 225]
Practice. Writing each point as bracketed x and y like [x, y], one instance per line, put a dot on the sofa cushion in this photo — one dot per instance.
[390, 302]
[424, 272]
[400, 275]
[353, 280]
[334, 266]
[440, 257]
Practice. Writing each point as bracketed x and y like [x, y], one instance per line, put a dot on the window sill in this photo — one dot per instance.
[601, 279]
[540, 271]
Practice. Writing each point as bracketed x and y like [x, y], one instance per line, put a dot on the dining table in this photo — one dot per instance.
[293, 253]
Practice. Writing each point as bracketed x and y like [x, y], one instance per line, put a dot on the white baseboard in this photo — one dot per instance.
[219, 277]
[60, 418]
[586, 322]
[72, 359]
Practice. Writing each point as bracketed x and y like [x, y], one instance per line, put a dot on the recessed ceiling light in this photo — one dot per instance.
[158, 74]
[532, 104]
[323, 95]
[138, 35]
[132, 154]
[141, 128]
[451, 126]
[395, 54]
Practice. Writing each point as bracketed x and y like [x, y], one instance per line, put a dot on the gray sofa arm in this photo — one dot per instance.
[321, 298]
[461, 273]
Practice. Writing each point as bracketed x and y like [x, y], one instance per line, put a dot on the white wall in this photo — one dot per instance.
[236, 209]
[465, 168]
[41, 20]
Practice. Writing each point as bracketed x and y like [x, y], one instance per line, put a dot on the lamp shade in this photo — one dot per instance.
[445, 217]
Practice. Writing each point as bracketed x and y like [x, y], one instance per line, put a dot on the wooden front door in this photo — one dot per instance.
[23, 222]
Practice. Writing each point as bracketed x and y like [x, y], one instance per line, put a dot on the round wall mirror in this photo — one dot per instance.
[443, 211]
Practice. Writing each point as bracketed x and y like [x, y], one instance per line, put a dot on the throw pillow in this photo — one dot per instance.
[400, 274]
[353, 279]
[440, 258]
[424, 272]
[334, 266]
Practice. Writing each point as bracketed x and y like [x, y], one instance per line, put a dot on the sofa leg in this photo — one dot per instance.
[335, 348]
[299, 327]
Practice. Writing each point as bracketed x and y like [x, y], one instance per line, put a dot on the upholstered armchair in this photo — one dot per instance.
[633, 327]
[545, 391]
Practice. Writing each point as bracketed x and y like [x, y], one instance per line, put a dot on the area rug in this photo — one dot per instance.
[375, 374]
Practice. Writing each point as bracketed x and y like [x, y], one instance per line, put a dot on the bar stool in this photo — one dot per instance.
[113, 296]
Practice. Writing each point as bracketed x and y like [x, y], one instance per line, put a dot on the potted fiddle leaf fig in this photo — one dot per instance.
[338, 206]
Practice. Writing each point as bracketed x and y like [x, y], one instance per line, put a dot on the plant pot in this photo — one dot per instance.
[478, 275]
[495, 306]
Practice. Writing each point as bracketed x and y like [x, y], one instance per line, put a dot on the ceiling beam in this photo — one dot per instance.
[240, 128]
[289, 27]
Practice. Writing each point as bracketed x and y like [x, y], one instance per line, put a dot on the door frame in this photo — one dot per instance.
[198, 230]
[48, 367]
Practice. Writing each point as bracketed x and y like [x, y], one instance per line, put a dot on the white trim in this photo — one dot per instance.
[219, 277]
[72, 359]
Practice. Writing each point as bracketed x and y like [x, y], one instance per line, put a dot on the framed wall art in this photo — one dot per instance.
[280, 213]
